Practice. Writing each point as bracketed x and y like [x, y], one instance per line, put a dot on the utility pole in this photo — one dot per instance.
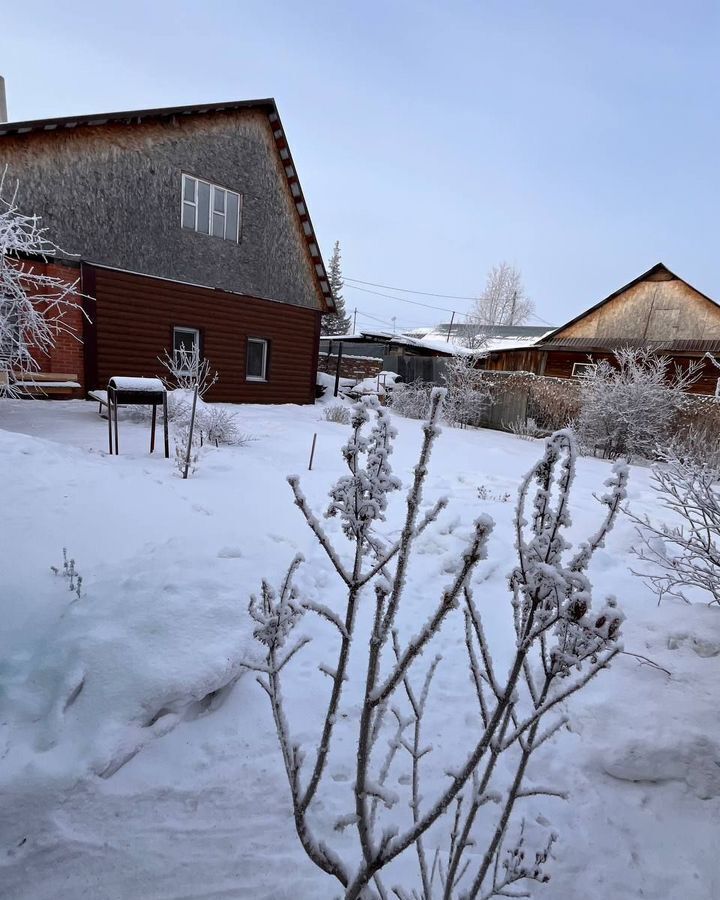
[393, 319]
[452, 319]
[354, 320]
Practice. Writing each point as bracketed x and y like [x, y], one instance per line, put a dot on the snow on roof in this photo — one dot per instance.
[436, 339]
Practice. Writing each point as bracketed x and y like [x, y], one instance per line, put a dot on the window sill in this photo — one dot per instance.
[256, 380]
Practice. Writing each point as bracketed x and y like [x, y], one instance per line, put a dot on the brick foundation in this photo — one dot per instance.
[357, 367]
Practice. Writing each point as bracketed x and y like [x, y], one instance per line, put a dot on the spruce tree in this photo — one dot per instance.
[337, 322]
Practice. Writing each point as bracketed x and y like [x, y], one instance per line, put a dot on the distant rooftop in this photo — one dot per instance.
[462, 329]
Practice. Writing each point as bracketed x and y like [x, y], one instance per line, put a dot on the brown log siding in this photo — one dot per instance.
[559, 364]
[135, 315]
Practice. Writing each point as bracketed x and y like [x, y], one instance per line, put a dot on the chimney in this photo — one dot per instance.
[3, 101]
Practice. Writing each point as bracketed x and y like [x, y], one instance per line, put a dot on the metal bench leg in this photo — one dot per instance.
[165, 427]
[117, 442]
[152, 428]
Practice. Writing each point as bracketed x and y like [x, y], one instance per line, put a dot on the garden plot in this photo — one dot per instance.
[136, 758]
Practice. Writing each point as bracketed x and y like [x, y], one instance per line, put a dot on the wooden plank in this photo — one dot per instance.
[36, 377]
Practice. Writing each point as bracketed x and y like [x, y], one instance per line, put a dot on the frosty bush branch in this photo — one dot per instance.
[186, 369]
[468, 393]
[35, 308]
[684, 557]
[561, 643]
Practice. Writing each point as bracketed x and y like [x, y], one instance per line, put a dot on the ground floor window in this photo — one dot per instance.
[257, 359]
[186, 345]
[583, 370]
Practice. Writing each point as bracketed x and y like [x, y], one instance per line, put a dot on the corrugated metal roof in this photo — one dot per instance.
[672, 346]
[132, 115]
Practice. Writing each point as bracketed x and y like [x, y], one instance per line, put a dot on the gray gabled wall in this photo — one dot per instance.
[111, 194]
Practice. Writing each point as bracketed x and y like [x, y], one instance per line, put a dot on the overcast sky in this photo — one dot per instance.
[579, 140]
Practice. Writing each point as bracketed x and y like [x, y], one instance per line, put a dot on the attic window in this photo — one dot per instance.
[210, 209]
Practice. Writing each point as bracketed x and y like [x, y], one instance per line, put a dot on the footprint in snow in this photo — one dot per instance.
[230, 553]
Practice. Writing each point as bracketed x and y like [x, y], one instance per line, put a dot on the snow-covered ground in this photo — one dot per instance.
[136, 761]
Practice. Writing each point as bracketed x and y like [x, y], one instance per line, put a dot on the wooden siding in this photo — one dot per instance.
[135, 315]
[515, 361]
[661, 307]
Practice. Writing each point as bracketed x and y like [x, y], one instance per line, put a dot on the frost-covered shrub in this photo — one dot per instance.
[526, 429]
[411, 400]
[218, 426]
[468, 392]
[684, 557]
[484, 493]
[697, 435]
[337, 413]
[70, 573]
[186, 463]
[185, 369]
[214, 424]
[628, 408]
[553, 403]
[560, 643]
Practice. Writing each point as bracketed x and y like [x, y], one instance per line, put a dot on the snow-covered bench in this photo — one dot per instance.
[102, 399]
[42, 384]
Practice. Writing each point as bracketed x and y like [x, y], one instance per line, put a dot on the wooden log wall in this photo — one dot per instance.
[134, 320]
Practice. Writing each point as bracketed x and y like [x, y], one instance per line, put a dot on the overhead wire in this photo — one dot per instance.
[424, 294]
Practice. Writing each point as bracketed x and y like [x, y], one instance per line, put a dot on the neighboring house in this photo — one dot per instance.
[420, 354]
[190, 227]
[658, 310]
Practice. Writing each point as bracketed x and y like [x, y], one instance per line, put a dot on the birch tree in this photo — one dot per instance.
[504, 300]
[35, 308]
[561, 644]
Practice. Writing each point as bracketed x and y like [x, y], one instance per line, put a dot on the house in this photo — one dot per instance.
[418, 354]
[185, 226]
[658, 309]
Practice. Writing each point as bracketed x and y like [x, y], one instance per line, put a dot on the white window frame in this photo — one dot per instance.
[196, 341]
[193, 204]
[265, 343]
[717, 388]
[583, 369]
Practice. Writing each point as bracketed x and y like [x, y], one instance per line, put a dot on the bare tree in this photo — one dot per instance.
[560, 645]
[504, 300]
[35, 308]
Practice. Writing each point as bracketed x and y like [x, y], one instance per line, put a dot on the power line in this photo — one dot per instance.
[423, 294]
[400, 299]
[428, 305]
[408, 291]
